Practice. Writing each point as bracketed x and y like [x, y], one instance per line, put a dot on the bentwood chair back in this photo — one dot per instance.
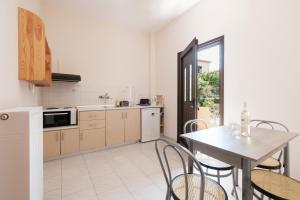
[271, 163]
[184, 185]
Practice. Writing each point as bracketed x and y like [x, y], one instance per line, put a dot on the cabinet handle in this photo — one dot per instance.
[92, 125]
[62, 136]
[125, 115]
[57, 137]
[122, 115]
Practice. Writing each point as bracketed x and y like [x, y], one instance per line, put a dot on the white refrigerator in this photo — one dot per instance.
[21, 154]
[150, 124]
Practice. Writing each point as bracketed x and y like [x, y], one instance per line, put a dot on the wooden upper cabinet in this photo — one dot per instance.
[48, 64]
[34, 52]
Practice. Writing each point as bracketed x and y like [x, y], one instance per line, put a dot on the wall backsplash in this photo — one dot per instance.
[74, 94]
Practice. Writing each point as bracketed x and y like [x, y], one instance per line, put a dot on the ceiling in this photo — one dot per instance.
[146, 15]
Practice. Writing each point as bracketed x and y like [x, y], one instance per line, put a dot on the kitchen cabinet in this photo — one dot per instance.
[34, 51]
[92, 115]
[69, 141]
[51, 144]
[132, 125]
[92, 130]
[115, 127]
[92, 139]
[92, 124]
[60, 142]
[122, 126]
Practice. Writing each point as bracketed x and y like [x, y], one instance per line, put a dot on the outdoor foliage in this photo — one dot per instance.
[208, 89]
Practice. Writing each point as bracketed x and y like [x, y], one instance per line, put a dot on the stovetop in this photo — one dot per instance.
[55, 108]
[59, 108]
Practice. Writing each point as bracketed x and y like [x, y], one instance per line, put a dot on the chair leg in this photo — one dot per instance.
[234, 192]
[261, 196]
[168, 195]
[218, 174]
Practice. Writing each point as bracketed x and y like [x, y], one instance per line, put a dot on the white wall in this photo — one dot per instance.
[14, 92]
[262, 51]
[108, 57]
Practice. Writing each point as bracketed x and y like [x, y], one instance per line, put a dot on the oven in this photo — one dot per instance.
[59, 117]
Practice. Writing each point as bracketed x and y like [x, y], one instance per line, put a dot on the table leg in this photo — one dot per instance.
[246, 187]
[286, 160]
[190, 161]
[236, 176]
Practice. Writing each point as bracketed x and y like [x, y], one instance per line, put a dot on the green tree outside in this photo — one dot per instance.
[209, 90]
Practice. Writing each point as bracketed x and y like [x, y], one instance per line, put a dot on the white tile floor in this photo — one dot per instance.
[129, 173]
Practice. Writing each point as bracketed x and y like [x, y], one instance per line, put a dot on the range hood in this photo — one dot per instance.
[66, 77]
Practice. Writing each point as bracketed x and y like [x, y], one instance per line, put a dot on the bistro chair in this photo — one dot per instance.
[271, 163]
[185, 186]
[208, 162]
[275, 186]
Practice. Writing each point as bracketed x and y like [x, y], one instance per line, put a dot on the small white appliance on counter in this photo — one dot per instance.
[150, 124]
[21, 154]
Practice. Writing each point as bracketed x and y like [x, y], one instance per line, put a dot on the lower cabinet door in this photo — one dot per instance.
[115, 127]
[92, 139]
[132, 125]
[51, 144]
[69, 141]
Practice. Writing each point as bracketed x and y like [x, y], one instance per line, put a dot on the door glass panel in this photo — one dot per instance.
[190, 87]
[184, 85]
[208, 88]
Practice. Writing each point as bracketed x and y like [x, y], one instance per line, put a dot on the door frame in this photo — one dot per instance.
[180, 107]
[218, 40]
[208, 44]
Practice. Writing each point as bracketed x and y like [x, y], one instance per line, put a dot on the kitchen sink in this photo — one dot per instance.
[99, 106]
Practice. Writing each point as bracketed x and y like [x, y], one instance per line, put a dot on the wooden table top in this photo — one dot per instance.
[263, 143]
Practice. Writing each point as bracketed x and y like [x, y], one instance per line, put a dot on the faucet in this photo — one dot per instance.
[104, 97]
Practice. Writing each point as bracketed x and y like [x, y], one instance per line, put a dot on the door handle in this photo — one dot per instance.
[57, 137]
[193, 103]
[62, 136]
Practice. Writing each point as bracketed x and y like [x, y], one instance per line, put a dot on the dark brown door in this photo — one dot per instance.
[187, 81]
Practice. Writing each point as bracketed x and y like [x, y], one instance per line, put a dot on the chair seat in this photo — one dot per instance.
[270, 163]
[212, 163]
[212, 191]
[275, 185]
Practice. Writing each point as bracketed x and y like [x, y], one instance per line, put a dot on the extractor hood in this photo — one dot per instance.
[66, 77]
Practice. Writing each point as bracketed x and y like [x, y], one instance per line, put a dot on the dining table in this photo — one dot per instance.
[242, 152]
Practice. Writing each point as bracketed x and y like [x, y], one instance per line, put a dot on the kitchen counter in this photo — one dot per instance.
[60, 128]
[110, 107]
[98, 108]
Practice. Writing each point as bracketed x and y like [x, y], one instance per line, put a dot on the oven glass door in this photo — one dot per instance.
[56, 119]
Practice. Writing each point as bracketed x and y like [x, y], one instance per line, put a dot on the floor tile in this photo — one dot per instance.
[89, 194]
[130, 172]
[76, 184]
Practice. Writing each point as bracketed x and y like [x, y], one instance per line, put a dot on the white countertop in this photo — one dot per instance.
[101, 107]
[60, 128]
